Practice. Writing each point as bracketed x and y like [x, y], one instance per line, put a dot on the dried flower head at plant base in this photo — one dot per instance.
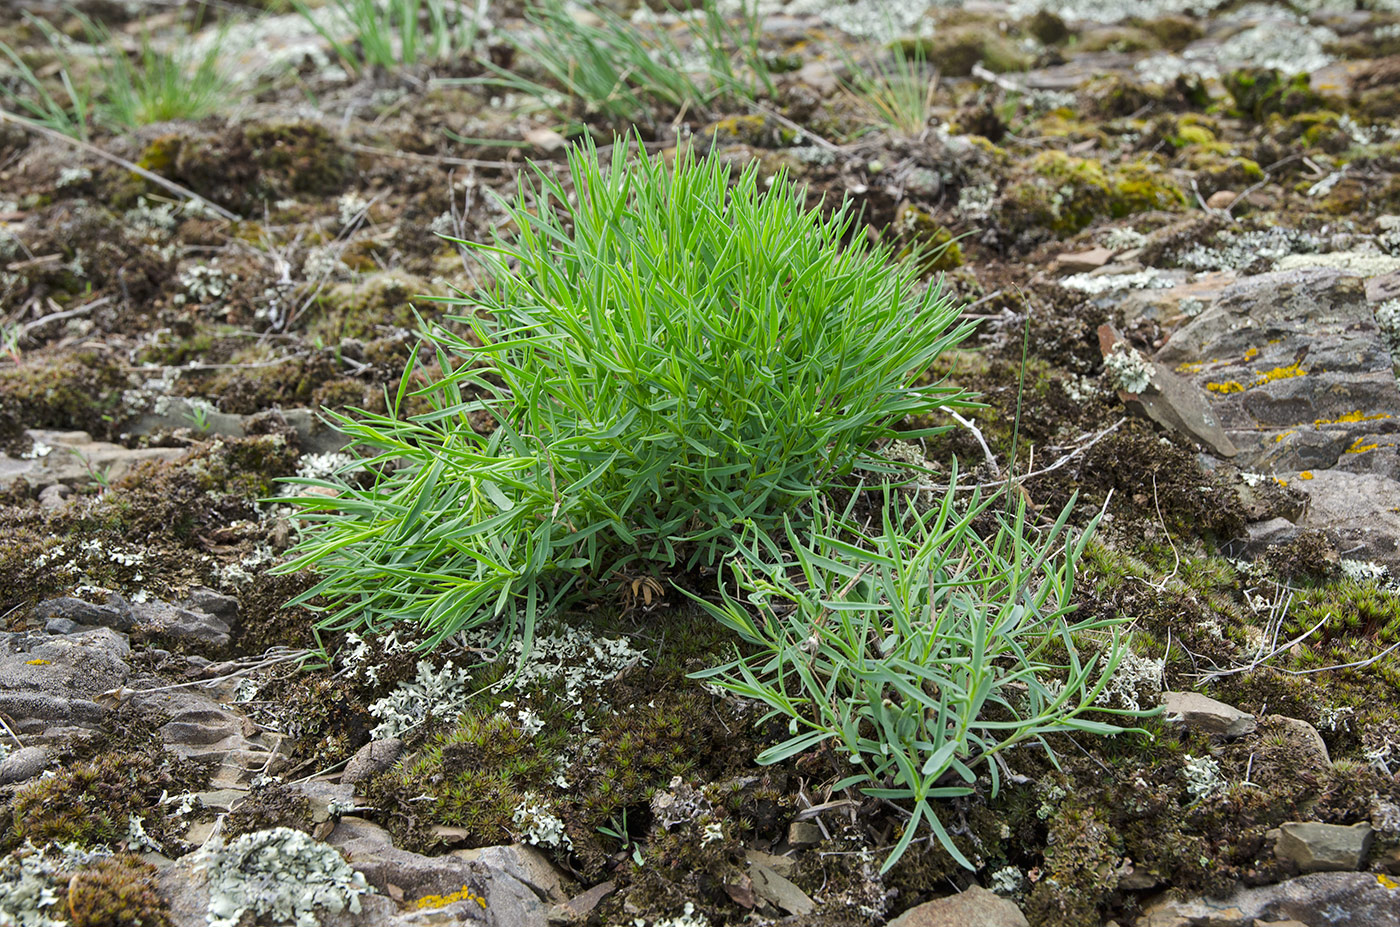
[670, 353]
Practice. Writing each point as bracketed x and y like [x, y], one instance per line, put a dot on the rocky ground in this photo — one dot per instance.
[1179, 223]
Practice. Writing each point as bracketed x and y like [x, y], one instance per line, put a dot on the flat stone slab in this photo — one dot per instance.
[1296, 372]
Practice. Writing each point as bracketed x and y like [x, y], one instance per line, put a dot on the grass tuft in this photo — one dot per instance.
[669, 355]
[921, 653]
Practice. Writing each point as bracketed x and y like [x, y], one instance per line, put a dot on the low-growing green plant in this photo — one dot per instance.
[391, 34]
[69, 114]
[897, 93]
[667, 353]
[627, 75]
[921, 653]
[159, 85]
[121, 91]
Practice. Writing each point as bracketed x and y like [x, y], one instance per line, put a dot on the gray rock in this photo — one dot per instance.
[804, 834]
[185, 888]
[509, 902]
[55, 497]
[525, 864]
[577, 909]
[24, 763]
[47, 680]
[210, 602]
[372, 759]
[778, 891]
[114, 614]
[1308, 744]
[170, 413]
[1316, 847]
[1337, 899]
[73, 457]
[167, 622]
[1296, 372]
[1205, 715]
[1356, 510]
[975, 907]
[202, 728]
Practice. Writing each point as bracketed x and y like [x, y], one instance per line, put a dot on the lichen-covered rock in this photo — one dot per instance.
[1297, 373]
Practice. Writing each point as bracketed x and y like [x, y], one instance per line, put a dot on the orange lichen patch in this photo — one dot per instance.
[1358, 448]
[1356, 416]
[441, 901]
[1305, 475]
[1227, 387]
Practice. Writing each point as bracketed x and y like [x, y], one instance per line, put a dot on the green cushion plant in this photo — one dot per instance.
[669, 353]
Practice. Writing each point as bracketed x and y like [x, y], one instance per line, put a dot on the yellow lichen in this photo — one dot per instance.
[38, 661]
[1251, 354]
[440, 901]
[1280, 437]
[1358, 448]
[1227, 387]
[1357, 416]
[1189, 367]
[1387, 882]
[1280, 373]
[1305, 475]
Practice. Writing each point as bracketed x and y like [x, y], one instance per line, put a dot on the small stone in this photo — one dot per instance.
[24, 763]
[1079, 262]
[55, 496]
[577, 909]
[1205, 715]
[782, 865]
[1305, 736]
[778, 891]
[804, 834]
[372, 759]
[1221, 199]
[112, 615]
[181, 625]
[975, 907]
[546, 140]
[1317, 847]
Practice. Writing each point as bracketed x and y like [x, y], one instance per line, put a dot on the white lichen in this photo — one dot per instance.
[1127, 369]
[1136, 679]
[687, 918]
[435, 693]
[279, 876]
[1203, 776]
[1007, 881]
[1096, 284]
[540, 826]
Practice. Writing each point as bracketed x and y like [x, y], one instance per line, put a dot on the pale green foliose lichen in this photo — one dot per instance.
[280, 876]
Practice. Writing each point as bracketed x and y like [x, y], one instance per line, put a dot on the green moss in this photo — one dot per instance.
[1064, 193]
[954, 51]
[925, 239]
[88, 802]
[1258, 92]
[81, 391]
